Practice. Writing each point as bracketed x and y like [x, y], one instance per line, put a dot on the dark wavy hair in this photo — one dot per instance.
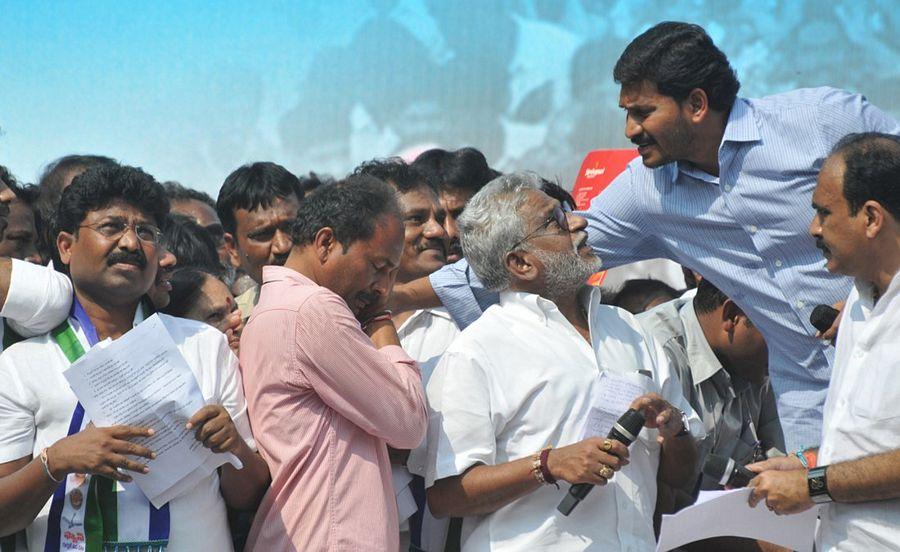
[192, 244]
[349, 207]
[871, 170]
[679, 57]
[396, 172]
[176, 192]
[252, 186]
[98, 187]
[463, 169]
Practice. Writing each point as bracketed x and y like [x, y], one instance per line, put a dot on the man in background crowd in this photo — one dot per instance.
[855, 473]
[458, 175]
[20, 238]
[328, 386]
[424, 334]
[721, 360]
[257, 205]
[202, 209]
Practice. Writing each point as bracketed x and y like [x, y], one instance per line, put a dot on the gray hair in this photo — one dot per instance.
[492, 224]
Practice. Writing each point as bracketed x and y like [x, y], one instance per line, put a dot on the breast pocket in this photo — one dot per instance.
[876, 393]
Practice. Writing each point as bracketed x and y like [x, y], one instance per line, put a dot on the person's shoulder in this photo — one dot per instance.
[663, 321]
[186, 331]
[492, 326]
[28, 355]
[802, 98]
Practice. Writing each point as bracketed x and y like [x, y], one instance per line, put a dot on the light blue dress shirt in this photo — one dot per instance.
[745, 230]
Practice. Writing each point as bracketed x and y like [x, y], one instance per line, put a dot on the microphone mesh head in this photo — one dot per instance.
[822, 317]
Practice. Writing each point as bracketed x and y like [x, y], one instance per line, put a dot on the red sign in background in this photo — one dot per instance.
[599, 168]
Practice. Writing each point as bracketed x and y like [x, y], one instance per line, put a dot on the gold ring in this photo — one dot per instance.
[607, 445]
[606, 472]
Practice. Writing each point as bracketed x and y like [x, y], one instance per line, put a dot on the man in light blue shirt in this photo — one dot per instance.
[723, 186]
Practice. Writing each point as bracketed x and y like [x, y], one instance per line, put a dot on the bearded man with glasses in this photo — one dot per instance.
[514, 391]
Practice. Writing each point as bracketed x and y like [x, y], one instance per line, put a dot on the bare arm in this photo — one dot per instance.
[875, 477]
[484, 489]
[25, 486]
[417, 294]
[24, 489]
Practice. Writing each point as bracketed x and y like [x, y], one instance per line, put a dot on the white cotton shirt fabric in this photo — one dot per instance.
[36, 406]
[862, 416]
[521, 378]
[37, 300]
[425, 335]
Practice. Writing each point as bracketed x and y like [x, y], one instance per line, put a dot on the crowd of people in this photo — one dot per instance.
[409, 358]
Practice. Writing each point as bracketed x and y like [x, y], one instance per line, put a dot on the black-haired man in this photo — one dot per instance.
[855, 473]
[458, 175]
[61, 477]
[328, 386]
[202, 208]
[723, 186]
[257, 205]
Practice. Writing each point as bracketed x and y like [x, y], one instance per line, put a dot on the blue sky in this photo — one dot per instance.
[191, 90]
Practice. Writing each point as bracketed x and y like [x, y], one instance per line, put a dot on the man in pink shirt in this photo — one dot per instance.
[327, 385]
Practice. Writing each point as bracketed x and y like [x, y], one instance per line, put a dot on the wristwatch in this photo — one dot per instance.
[817, 482]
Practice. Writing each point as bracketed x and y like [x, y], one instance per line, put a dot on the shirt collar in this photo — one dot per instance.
[422, 313]
[529, 304]
[275, 273]
[867, 293]
[703, 361]
[741, 125]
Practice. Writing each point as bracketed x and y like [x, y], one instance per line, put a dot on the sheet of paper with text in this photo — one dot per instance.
[142, 379]
[614, 395]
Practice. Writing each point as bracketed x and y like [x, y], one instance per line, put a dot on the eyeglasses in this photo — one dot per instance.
[558, 216]
[114, 230]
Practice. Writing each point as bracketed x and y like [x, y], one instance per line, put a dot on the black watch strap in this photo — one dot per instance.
[817, 483]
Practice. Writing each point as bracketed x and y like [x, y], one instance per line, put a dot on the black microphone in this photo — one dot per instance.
[823, 317]
[726, 471]
[625, 431]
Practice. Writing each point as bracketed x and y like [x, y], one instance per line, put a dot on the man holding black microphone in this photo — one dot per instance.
[856, 471]
[513, 392]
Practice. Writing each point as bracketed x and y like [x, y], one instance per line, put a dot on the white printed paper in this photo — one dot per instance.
[141, 379]
[735, 518]
[614, 396]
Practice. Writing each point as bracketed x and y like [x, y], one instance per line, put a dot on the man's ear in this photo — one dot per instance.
[520, 266]
[325, 243]
[697, 105]
[231, 247]
[731, 316]
[874, 218]
[64, 242]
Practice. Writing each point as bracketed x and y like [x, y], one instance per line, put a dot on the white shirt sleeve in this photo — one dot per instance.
[466, 435]
[38, 298]
[17, 430]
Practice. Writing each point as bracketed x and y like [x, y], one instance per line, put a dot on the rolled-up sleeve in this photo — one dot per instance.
[462, 293]
[378, 390]
[38, 299]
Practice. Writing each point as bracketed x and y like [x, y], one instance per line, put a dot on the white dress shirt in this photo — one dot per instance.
[36, 406]
[425, 336]
[520, 378]
[38, 299]
[862, 415]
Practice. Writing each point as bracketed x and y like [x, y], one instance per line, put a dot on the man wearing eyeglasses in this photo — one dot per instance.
[69, 483]
[518, 385]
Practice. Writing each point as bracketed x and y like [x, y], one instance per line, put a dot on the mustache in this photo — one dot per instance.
[366, 297]
[642, 140]
[128, 257]
[432, 243]
[455, 246]
[821, 245]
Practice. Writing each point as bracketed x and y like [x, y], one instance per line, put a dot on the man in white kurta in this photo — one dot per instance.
[855, 474]
[524, 376]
